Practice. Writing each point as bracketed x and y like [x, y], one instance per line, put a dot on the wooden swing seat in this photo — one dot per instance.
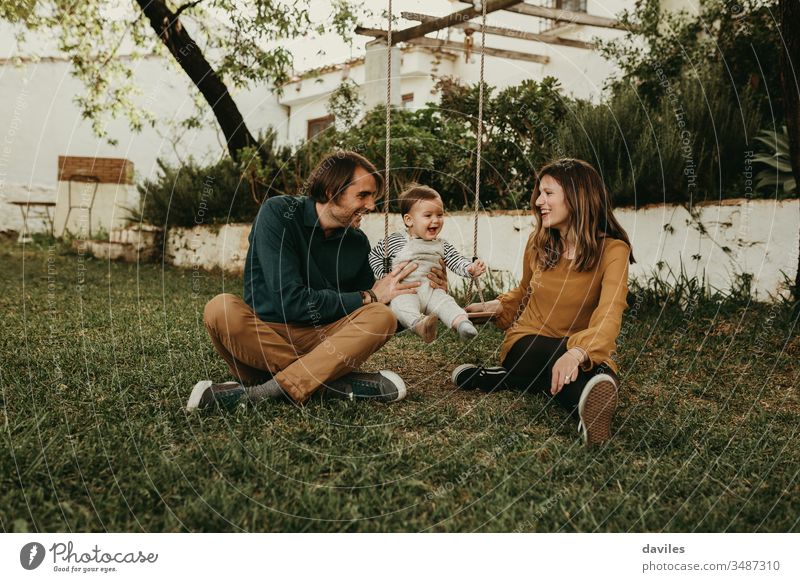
[481, 316]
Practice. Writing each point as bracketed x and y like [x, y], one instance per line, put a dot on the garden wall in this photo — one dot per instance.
[717, 242]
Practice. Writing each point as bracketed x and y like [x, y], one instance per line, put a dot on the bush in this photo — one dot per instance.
[690, 142]
[436, 145]
[220, 193]
[193, 194]
[519, 136]
[626, 143]
[688, 147]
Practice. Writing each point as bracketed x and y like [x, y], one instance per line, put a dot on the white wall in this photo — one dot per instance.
[40, 121]
[761, 237]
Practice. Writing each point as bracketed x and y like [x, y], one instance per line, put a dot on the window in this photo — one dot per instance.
[407, 100]
[571, 5]
[546, 24]
[319, 124]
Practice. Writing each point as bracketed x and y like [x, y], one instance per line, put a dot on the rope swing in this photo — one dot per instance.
[386, 265]
[479, 144]
[479, 137]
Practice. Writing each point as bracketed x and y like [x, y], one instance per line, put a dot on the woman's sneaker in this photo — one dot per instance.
[470, 376]
[206, 394]
[383, 386]
[596, 409]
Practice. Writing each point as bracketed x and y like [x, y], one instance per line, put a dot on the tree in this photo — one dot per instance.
[216, 43]
[733, 39]
[519, 134]
[737, 39]
[789, 14]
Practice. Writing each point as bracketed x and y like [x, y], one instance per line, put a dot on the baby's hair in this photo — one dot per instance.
[413, 194]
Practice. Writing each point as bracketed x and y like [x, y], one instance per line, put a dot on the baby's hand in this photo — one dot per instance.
[477, 268]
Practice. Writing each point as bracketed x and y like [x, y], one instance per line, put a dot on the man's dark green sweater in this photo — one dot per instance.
[295, 274]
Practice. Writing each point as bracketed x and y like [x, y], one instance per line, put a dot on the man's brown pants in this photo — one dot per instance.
[301, 358]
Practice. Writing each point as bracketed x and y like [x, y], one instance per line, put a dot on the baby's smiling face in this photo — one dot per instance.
[425, 219]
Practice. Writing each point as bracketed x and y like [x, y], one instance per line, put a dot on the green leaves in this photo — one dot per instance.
[345, 104]
[104, 40]
[736, 39]
[779, 181]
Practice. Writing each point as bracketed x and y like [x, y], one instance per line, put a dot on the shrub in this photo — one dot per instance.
[690, 146]
[193, 194]
[519, 136]
[219, 193]
[637, 157]
[778, 181]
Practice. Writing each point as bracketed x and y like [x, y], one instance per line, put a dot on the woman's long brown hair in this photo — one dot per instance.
[591, 215]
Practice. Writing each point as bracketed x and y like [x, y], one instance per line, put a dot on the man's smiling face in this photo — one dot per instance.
[358, 198]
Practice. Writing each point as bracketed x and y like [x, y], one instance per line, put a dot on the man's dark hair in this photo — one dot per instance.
[334, 174]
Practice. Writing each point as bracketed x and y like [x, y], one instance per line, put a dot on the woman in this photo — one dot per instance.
[563, 319]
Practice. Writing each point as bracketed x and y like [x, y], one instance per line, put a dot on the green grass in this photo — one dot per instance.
[98, 359]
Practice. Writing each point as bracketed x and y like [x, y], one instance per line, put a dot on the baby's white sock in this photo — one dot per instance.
[466, 331]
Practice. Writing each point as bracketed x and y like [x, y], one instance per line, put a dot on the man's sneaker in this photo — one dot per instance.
[469, 377]
[596, 409]
[206, 394]
[383, 386]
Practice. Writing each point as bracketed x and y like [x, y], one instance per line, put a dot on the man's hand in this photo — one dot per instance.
[438, 276]
[477, 268]
[390, 286]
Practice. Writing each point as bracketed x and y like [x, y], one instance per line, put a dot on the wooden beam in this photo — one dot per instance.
[507, 32]
[446, 21]
[565, 16]
[490, 52]
[376, 32]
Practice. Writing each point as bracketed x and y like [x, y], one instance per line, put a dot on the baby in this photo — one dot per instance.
[423, 215]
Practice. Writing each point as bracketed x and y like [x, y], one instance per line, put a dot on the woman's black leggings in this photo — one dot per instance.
[530, 362]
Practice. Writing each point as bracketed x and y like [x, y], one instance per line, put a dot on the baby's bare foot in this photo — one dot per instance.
[427, 327]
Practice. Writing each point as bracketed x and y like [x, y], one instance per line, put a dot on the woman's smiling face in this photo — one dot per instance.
[551, 205]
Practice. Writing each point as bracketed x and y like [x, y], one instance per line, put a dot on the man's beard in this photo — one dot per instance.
[351, 219]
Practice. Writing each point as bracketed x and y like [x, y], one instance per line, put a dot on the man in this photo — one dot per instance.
[312, 310]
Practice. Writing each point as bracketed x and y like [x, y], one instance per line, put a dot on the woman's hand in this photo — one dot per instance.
[494, 307]
[565, 370]
[390, 286]
[438, 276]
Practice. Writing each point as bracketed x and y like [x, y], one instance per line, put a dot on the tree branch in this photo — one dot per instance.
[186, 7]
[188, 55]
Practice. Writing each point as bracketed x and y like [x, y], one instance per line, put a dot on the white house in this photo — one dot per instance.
[41, 121]
[523, 47]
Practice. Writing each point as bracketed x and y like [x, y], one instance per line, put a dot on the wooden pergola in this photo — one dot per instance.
[462, 19]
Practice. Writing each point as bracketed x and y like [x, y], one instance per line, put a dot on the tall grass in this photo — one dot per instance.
[691, 146]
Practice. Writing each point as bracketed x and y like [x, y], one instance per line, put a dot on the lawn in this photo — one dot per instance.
[98, 360]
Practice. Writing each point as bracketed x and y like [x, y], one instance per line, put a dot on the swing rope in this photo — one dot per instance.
[386, 263]
[479, 137]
